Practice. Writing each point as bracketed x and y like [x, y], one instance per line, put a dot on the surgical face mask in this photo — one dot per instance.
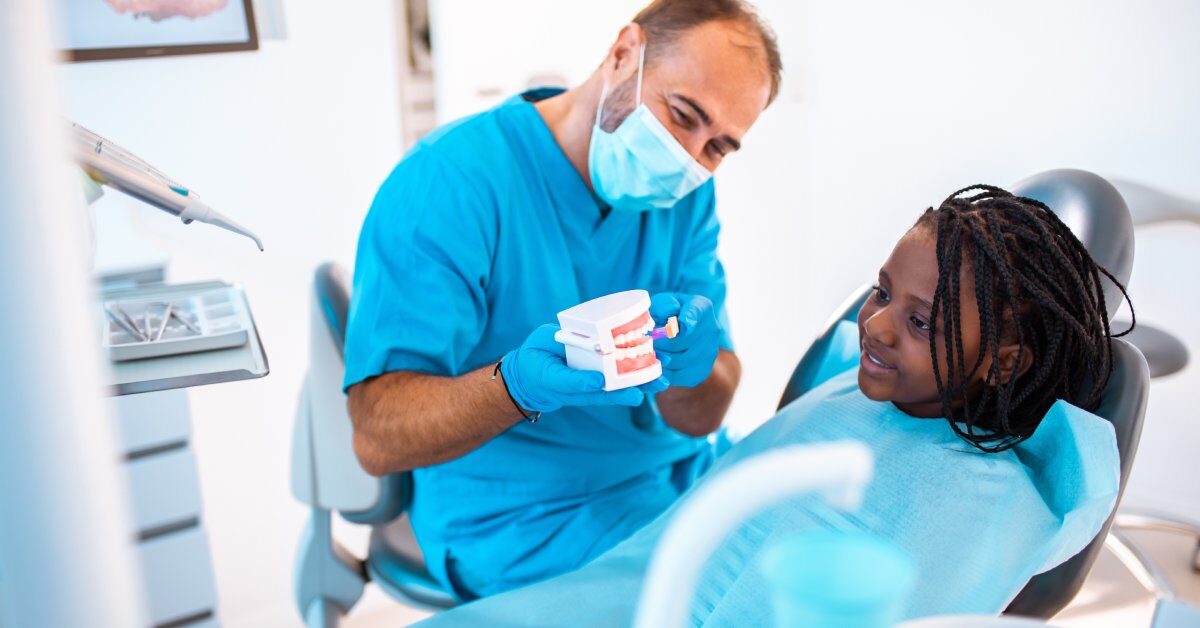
[640, 166]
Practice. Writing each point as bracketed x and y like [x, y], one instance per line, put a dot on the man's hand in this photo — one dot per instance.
[687, 358]
[539, 379]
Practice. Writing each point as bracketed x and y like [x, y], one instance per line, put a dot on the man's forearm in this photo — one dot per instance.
[405, 420]
[698, 411]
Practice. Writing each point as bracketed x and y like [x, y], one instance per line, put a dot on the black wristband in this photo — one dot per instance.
[532, 417]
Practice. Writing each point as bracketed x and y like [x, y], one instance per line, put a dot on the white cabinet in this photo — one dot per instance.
[172, 546]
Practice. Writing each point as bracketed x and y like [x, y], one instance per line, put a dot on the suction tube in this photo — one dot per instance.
[109, 164]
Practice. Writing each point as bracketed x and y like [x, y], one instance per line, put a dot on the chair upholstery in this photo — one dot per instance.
[332, 291]
[1123, 405]
[396, 563]
[394, 559]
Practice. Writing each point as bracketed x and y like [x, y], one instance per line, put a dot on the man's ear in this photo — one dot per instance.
[1015, 360]
[623, 55]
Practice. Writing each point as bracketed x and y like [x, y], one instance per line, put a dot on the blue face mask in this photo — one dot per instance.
[640, 166]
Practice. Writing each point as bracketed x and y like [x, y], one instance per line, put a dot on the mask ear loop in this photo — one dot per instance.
[641, 64]
[604, 90]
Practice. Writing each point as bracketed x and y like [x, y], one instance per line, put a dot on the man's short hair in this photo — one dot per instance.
[663, 21]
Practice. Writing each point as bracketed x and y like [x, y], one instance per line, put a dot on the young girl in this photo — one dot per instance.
[978, 357]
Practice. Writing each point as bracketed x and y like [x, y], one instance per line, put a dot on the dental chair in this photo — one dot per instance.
[327, 477]
[1098, 216]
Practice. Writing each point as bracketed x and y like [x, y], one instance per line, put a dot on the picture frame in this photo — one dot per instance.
[104, 30]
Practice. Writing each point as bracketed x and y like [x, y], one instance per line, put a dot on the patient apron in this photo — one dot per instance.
[978, 526]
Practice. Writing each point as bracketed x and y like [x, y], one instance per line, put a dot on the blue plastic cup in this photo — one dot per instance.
[837, 579]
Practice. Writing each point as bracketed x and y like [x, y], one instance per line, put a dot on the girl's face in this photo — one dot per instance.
[893, 329]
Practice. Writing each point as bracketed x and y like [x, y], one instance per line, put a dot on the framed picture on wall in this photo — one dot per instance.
[96, 30]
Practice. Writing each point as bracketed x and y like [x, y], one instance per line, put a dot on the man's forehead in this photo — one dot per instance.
[720, 66]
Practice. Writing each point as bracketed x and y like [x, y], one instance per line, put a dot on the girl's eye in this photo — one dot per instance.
[881, 294]
[919, 324]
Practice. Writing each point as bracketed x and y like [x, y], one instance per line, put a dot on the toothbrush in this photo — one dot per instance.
[670, 330]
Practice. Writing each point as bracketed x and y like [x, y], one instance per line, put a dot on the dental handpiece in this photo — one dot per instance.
[109, 164]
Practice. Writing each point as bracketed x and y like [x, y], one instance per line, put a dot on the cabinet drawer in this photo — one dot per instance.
[177, 574]
[164, 489]
[152, 420]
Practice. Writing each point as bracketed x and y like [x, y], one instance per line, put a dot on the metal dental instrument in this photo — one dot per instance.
[129, 329]
[186, 323]
[166, 316]
[129, 321]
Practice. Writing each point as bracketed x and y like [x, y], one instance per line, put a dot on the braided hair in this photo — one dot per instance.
[1036, 285]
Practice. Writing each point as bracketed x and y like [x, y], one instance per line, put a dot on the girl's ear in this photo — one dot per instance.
[1014, 361]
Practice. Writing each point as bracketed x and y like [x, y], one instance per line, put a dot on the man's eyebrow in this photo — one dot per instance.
[731, 142]
[700, 112]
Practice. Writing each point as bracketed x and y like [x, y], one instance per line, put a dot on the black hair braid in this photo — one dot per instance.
[1036, 286]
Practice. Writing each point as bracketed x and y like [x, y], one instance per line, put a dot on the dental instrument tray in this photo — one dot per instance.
[141, 327]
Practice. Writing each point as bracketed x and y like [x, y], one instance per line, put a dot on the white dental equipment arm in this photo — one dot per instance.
[1149, 205]
[109, 164]
[840, 471]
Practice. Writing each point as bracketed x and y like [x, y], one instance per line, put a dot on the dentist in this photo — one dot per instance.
[523, 467]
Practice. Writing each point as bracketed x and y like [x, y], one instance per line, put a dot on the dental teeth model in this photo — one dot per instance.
[612, 334]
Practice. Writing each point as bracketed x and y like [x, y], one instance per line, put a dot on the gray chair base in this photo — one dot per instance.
[1139, 564]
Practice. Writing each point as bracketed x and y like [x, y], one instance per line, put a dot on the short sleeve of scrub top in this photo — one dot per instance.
[420, 306]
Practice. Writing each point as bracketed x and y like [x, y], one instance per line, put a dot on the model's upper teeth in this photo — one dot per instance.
[876, 360]
[631, 336]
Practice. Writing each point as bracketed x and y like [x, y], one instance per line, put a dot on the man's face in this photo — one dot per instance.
[707, 89]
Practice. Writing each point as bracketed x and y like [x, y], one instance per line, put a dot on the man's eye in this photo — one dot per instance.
[919, 324]
[881, 294]
[683, 118]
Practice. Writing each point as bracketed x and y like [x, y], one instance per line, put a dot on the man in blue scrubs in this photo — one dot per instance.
[525, 468]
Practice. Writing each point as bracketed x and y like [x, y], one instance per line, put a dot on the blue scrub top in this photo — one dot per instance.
[483, 232]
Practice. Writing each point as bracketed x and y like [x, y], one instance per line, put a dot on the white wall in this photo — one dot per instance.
[886, 109]
[292, 141]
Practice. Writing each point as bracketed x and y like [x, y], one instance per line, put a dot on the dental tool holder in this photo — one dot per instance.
[587, 333]
[205, 321]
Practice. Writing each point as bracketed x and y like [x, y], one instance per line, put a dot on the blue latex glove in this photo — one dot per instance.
[689, 355]
[539, 379]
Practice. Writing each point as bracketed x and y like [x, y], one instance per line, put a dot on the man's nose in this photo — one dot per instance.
[879, 328]
[695, 147]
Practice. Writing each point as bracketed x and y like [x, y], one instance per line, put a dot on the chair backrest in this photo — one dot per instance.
[1123, 405]
[325, 470]
[807, 374]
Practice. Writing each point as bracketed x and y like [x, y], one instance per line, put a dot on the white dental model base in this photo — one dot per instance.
[609, 334]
